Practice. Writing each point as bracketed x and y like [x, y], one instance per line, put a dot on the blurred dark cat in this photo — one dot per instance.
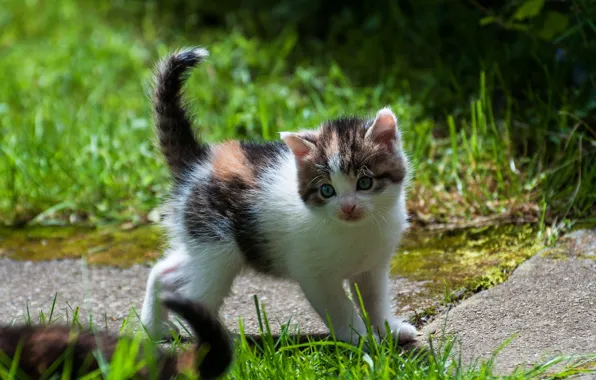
[41, 346]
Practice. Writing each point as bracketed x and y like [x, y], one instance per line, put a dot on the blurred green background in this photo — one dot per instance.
[496, 99]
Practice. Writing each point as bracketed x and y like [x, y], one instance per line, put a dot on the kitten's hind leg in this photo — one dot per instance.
[374, 290]
[212, 269]
[166, 275]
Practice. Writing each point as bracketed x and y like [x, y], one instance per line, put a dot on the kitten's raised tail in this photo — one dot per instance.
[174, 127]
[209, 331]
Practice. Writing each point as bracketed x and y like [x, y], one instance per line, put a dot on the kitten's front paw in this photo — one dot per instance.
[354, 337]
[165, 330]
[404, 332]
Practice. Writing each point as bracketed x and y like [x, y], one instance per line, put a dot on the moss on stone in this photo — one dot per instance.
[456, 261]
[103, 246]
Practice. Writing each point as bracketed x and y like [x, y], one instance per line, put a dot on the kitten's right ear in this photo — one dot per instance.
[297, 144]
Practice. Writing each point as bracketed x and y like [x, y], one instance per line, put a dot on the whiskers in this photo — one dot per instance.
[373, 215]
[318, 179]
[381, 215]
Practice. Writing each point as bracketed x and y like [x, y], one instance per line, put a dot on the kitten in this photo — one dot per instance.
[43, 345]
[320, 207]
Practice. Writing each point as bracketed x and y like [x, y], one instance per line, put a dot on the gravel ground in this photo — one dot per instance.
[110, 294]
[549, 302]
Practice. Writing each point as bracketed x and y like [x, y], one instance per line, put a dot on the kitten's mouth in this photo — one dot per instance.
[350, 217]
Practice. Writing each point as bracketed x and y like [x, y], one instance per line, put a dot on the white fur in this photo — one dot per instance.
[310, 245]
[334, 162]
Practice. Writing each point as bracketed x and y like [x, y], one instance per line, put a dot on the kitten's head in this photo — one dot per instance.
[350, 169]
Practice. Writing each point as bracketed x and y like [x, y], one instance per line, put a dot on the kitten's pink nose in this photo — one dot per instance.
[348, 208]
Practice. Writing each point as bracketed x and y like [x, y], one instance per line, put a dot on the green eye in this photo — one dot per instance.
[364, 183]
[327, 191]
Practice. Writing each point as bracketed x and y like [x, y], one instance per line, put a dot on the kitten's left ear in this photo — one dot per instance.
[384, 130]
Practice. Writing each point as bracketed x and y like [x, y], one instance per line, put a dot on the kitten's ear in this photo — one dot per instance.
[298, 144]
[384, 129]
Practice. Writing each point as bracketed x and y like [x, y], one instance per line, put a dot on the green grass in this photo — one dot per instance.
[76, 143]
[284, 357]
[76, 135]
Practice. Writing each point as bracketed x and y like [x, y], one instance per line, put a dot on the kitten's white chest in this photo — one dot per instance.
[339, 252]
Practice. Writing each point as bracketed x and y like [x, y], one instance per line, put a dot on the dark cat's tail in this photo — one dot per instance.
[210, 334]
[174, 128]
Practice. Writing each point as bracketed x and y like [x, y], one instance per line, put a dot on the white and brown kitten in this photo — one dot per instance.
[320, 207]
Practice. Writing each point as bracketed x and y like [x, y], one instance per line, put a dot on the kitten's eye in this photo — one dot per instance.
[327, 191]
[364, 183]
